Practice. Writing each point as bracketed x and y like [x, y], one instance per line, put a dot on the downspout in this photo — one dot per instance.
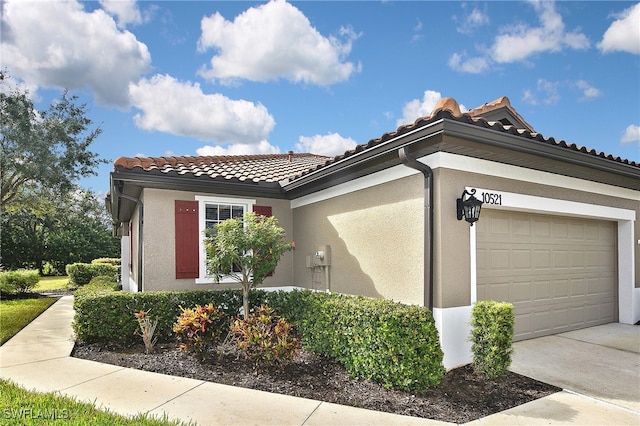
[411, 162]
[138, 201]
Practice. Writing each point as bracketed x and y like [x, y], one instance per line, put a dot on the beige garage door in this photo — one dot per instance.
[560, 273]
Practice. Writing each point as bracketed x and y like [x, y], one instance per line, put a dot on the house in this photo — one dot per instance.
[557, 233]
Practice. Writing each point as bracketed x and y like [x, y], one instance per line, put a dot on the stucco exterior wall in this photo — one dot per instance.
[159, 242]
[376, 238]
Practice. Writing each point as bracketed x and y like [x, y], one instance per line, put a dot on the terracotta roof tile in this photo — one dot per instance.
[448, 108]
[253, 168]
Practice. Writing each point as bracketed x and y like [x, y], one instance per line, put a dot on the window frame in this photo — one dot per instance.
[246, 203]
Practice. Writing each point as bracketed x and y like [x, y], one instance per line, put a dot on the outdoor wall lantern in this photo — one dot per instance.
[469, 207]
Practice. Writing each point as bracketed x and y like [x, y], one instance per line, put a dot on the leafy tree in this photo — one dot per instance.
[57, 228]
[247, 250]
[42, 149]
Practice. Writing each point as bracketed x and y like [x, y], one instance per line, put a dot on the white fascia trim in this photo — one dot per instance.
[384, 176]
[491, 168]
[202, 200]
[533, 204]
[471, 165]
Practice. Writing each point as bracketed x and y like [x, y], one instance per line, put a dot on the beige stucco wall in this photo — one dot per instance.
[376, 239]
[159, 242]
[452, 278]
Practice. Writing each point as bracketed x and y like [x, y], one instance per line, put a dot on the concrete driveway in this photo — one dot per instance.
[601, 362]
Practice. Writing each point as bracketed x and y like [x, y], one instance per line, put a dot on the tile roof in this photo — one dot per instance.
[290, 166]
[251, 168]
[448, 108]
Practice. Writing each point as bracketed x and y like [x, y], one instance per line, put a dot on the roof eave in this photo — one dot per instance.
[199, 184]
[539, 148]
[422, 133]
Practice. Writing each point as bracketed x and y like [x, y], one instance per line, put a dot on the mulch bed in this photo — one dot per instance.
[461, 397]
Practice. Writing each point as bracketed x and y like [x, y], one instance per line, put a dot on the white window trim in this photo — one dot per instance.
[202, 202]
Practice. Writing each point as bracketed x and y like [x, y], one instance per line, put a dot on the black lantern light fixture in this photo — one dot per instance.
[468, 208]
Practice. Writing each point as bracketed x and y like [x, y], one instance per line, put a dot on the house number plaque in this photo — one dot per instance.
[491, 198]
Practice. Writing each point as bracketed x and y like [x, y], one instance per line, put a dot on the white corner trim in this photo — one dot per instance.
[454, 328]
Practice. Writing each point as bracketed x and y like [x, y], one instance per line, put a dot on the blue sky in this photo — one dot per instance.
[218, 77]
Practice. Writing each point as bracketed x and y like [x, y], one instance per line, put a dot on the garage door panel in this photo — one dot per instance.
[559, 273]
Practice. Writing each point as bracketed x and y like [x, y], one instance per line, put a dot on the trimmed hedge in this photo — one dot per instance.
[492, 337]
[108, 315]
[19, 281]
[115, 261]
[81, 273]
[386, 342]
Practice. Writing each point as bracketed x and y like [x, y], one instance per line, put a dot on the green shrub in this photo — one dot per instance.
[19, 281]
[98, 285]
[50, 270]
[492, 337]
[390, 343]
[107, 316]
[115, 261]
[200, 329]
[81, 273]
[265, 338]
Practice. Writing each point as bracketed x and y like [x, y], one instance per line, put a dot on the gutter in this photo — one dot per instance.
[411, 162]
[138, 201]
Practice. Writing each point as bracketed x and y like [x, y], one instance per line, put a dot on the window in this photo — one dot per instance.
[213, 210]
[216, 213]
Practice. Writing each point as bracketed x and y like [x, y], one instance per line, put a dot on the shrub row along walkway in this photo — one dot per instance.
[38, 358]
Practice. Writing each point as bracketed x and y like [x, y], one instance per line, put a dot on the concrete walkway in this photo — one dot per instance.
[38, 358]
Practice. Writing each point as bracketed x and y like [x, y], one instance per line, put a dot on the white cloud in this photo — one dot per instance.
[476, 65]
[588, 91]
[624, 33]
[71, 49]
[417, 108]
[417, 31]
[472, 20]
[546, 93]
[271, 41]
[126, 11]
[521, 41]
[331, 144]
[181, 108]
[238, 149]
[631, 134]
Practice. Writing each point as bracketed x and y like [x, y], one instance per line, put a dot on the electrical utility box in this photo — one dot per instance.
[322, 256]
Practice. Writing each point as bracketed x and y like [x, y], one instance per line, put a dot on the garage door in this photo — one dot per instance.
[559, 273]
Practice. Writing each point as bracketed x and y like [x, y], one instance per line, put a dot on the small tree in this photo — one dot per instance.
[247, 250]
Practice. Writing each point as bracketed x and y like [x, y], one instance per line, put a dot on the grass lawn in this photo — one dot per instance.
[15, 314]
[51, 283]
[22, 407]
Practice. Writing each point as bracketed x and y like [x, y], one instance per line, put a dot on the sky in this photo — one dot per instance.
[163, 78]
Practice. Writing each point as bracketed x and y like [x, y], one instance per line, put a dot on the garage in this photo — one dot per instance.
[559, 272]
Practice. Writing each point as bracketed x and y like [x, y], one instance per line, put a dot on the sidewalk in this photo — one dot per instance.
[38, 358]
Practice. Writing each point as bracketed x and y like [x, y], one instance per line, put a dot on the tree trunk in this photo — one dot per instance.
[245, 298]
